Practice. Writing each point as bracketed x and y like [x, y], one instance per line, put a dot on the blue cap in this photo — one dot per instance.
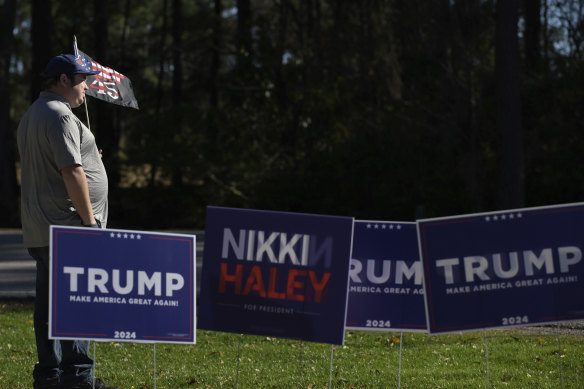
[68, 64]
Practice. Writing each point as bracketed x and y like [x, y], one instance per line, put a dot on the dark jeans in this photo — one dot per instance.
[59, 360]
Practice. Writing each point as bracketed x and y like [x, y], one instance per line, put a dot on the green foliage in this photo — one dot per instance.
[374, 109]
[367, 360]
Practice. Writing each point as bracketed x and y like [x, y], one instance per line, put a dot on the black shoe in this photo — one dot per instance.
[47, 384]
[99, 384]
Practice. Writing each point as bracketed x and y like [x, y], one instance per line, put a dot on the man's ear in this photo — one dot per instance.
[64, 79]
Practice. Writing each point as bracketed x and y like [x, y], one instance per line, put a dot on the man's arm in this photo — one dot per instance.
[76, 184]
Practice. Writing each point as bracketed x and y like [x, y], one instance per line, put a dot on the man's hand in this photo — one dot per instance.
[96, 225]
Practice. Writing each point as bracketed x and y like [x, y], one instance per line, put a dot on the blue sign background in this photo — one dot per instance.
[388, 306]
[114, 316]
[287, 317]
[520, 300]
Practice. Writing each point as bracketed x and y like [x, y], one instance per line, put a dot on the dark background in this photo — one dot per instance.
[386, 110]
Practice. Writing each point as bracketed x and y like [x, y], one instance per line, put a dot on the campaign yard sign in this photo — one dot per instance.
[275, 274]
[385, 278]
[121, 285]
[508, 268]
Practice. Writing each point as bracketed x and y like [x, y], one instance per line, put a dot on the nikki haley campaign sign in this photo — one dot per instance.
[507, 268]
[122, 285]
[275, 273]
[385, 289]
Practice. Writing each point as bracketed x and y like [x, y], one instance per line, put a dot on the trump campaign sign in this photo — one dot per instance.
[121, 285]
[385, 289]
[507, 268]
[275, 273]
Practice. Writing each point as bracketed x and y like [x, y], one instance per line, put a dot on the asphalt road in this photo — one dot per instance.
[18, 270]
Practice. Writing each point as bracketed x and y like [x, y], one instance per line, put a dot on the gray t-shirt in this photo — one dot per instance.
[50, 138]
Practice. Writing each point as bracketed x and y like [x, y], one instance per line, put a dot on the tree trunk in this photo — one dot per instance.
[42, 49]
[177, 82]
[532, 32]
[244, 40]
[8, 185]
[280, 85]
[107, 135]
[159, 86]
[469, 22]
[508, 110]
[214, 71]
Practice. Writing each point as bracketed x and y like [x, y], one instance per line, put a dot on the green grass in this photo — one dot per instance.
[367, 360]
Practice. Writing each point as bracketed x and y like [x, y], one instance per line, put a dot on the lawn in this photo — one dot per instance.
[516, 359]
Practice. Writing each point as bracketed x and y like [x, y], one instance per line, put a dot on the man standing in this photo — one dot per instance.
[63, 182]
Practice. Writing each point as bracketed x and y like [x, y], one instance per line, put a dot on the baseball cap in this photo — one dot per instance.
[68, 64]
